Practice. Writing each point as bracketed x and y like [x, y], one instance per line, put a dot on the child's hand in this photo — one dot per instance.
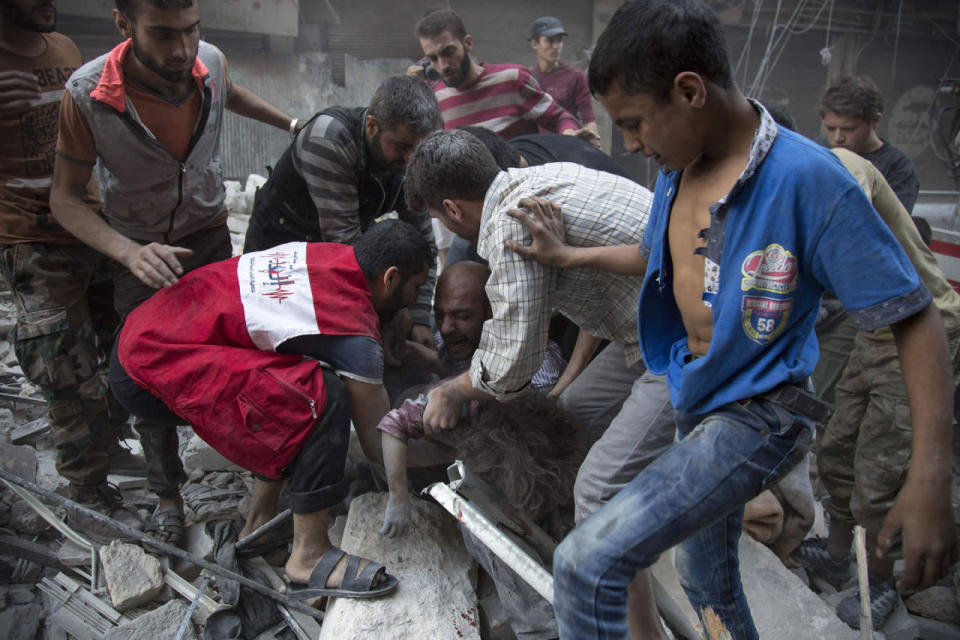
[396, 518]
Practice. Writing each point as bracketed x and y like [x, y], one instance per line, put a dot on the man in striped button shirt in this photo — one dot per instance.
[505, 98]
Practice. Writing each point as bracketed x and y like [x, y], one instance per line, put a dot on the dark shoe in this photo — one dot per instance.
[105, 500]
[125, 463]
[813, 556]
[883, 600]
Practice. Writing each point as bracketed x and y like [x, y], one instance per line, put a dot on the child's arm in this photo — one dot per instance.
[922, 513]
[396, 518]
[583, 351]
[544, 220]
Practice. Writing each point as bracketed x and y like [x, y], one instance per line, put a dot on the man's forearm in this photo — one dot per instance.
[76, 217]
[928, 376]
[249, 105]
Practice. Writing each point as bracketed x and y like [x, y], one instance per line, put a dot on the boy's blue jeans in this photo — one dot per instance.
[692, 496]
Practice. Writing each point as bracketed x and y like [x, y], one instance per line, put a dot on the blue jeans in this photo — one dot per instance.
[692, 496]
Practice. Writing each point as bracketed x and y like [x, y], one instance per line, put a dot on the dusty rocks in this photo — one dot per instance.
[159, 623]
[938, 603]
[133, 577]
[436, 597]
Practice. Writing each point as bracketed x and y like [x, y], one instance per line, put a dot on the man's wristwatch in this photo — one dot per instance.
[293, 127]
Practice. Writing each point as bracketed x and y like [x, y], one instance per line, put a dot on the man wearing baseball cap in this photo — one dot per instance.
[566, 83]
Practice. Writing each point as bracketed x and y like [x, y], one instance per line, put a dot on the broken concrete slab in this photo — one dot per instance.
[435, 598]
[197, 542]
[133, 576]
[47, 475]
[21, 621]
[72, 554]
[159, 623]
[938, 603]
[30, 431]
[781, 604]
[199, 455]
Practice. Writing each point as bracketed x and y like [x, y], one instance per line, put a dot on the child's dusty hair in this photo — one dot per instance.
[527, 448]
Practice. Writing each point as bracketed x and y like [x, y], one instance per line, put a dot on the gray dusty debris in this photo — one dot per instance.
[159, 623]
[22, 613]
[938, 603]
[133, 577]
[436, 597]
[781, 604]
[199, 455]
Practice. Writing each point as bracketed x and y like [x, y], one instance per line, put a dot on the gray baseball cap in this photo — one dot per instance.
[547, 26]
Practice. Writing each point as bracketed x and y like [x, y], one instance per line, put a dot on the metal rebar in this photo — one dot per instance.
[257, 533]
[163, 547]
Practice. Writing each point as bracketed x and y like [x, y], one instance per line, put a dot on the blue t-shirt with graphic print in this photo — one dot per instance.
[795, 224]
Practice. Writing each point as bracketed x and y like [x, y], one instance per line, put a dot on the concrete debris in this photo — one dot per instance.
[25, 520]
[198, 542]
[436, 597]
[47, 476]
[31, 431]
[22, 613]
[73, 555]
[199, 455]
[159, 623]
[781, 604]
[937, 603]
[133, 577]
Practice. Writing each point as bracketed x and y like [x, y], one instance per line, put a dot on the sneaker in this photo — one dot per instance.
[883, 600]
[106, 500]
[813, 556]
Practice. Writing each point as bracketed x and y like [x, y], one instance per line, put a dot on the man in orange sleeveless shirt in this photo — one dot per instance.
[147, 118]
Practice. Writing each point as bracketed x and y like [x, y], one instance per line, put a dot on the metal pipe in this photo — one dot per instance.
[274, 522]
[163, 547]
[526, 567]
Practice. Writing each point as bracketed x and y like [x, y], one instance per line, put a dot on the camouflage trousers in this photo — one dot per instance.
[65, 325]
[864, 451]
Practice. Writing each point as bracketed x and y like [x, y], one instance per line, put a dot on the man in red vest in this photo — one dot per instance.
[268, 356]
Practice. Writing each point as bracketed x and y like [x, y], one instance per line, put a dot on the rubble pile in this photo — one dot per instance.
[52, 586]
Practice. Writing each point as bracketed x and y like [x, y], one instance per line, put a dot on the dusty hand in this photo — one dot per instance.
[396, 517]
[544, 220]
[585, 134]
[923, 517]
[156, 264]
[18, 90]
[442, 411]
[421, 334]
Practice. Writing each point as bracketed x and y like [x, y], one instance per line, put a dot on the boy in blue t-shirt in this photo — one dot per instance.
[750, 223]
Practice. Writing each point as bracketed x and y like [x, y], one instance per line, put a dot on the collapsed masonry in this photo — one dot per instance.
[54, 584]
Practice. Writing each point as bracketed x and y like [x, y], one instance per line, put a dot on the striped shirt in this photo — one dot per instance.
[599, 209]
[505, 98]
[328, 158]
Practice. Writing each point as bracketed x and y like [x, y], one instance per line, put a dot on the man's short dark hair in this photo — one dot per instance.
[448, 164]
[503, 154]
[129, 7]
[853, 97]
[408, 101]
[647, 43]
[392, 243]
[439, 20]
[781, 114]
